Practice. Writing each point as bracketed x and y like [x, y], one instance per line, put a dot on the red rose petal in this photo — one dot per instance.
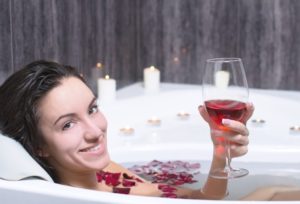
[112, 179]
[126, 176]
[121, 190]
[170, 172]
[99, 177]
[128, 183]
[169, 195]
[166, 188]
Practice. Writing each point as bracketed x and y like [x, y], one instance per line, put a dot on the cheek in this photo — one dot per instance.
[64, 142]
[64, 145]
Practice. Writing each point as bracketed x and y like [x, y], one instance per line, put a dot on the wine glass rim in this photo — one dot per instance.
[225, 59]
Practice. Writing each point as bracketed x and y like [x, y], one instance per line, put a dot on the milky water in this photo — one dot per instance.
[260, 175]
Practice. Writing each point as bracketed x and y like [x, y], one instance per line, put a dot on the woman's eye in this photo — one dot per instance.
[93, 109]
[68, 125]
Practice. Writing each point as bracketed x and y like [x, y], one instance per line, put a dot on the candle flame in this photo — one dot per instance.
[176, 59]
[106, 76]
[99, 65]
[127, 127]
[152, 67]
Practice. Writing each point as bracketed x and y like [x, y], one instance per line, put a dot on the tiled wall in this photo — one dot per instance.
[174, 35]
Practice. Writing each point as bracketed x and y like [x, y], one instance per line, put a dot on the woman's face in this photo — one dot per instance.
[73, 128]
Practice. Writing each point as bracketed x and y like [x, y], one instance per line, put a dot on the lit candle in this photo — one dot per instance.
[97, 72]
[222, 79]
[183, 115]
[154, 121]
[99, 65]
[258, 122]
[106, 89]
[127, 130]
[295, 128]
[151, 79]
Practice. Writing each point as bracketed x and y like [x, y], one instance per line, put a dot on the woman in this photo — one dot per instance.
[50, 110]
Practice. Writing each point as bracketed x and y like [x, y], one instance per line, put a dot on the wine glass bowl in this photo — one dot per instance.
[225, 94]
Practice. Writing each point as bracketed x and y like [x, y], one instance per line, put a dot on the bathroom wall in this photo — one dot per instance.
[174, 35]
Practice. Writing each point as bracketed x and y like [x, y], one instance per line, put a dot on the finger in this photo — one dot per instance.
[236, 150]
[236, 126]
[239, 140]
[249, 112]
[203, 113]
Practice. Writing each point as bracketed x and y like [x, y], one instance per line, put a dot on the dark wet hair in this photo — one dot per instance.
[20, 95]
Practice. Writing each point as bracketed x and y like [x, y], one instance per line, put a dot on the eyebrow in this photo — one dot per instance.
[72, 114]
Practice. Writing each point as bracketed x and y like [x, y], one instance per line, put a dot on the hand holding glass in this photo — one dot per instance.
[225, 94]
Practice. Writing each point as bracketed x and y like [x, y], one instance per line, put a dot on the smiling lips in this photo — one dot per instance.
[92, 149]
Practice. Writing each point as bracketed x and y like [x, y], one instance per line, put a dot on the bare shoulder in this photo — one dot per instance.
[141, 187]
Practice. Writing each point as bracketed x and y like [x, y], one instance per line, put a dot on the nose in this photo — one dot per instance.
[92, 129]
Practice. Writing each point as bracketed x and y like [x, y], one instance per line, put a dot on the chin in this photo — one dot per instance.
[104, 162]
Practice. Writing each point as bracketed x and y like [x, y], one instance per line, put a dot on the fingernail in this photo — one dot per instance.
[225, 122]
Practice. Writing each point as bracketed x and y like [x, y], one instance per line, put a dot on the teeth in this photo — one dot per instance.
[93, 149]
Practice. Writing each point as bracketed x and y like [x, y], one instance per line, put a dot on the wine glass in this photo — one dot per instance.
[225, 93]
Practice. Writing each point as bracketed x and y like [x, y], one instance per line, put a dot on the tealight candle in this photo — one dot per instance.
[295, 128]
[183, 115]
[222, 79]
[154, 121]
[106, 89]
[258, 121]
[151, 79]
[127, 130]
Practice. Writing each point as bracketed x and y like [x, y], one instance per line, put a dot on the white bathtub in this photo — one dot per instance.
[273, 156]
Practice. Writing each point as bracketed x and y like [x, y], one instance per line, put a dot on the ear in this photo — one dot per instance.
[41, 152]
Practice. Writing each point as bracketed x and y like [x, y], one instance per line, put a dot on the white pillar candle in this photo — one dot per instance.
[151, 79]
[222, 79]
[106, 89]
[97, 72]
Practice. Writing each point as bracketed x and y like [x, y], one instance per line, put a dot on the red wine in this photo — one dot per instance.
[230, 109]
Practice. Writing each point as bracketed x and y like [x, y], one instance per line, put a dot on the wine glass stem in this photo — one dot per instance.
[228, 156]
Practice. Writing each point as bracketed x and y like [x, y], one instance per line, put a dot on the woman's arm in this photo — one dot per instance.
[282, 193]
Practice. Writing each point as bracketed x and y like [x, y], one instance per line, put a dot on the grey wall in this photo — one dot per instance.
[174, 35]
